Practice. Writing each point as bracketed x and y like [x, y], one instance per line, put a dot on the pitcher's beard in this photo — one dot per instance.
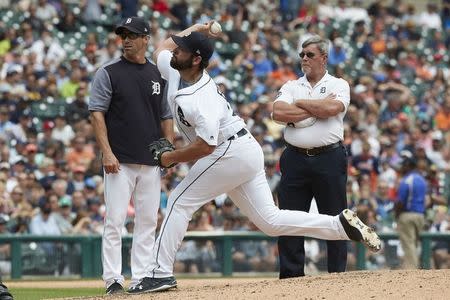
[180, 65]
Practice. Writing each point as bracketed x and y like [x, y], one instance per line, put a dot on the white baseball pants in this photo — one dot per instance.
[142, 184]
[237, 168]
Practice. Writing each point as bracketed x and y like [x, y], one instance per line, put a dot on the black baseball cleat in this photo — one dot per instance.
[114, 289]
[356, 230]
[4, 293]
[148, 285]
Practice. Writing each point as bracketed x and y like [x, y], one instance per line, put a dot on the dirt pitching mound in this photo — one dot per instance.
[403, 284]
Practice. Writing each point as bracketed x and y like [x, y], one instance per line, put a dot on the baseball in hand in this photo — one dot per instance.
[215, 28]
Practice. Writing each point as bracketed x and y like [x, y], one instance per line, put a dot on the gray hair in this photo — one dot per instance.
[322, 44]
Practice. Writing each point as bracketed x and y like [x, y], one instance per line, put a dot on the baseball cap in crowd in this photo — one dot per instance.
[90, 183]
[134, 24]
[338, 42]
[408, 159]
[48, 125]
[197, 43]
[360, 88]
[3, 219]
[19, 159]
[222, 80]
[65, 201]
[437, 135]
[93, 201]
[5, 88]
[4, 165]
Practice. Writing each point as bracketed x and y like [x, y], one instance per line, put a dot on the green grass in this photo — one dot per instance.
[46, 293]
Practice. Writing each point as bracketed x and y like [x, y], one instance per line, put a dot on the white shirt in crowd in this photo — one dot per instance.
[430, 20]
[64, 134]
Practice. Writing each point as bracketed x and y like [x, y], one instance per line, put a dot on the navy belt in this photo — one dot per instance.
[238, 134]
[316, 150]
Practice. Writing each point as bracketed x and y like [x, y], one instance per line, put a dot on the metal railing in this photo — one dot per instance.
[90, 248]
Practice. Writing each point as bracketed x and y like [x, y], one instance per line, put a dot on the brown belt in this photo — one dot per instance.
[316, 150]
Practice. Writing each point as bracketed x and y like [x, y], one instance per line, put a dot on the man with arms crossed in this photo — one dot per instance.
[314, 163]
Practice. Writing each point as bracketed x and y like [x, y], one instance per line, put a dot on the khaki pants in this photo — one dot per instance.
[409, 225]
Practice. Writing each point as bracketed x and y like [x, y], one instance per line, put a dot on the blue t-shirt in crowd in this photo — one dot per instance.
[412, 192]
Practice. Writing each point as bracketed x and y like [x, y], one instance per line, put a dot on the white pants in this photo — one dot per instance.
[236, 168]
[142, 184]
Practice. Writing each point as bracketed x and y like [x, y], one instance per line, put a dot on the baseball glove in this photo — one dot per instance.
[157, 148]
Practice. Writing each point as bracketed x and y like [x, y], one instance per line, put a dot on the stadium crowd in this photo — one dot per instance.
[394, 55]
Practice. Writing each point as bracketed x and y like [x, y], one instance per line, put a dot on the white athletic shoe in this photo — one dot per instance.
[356, 230]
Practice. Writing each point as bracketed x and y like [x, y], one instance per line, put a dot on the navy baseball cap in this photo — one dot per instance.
[134, 24]
[407, 159]
[197, 43]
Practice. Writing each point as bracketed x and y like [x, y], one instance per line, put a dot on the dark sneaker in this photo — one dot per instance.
[148, 285]
[356, 230]
[115, 288]
[4, 293]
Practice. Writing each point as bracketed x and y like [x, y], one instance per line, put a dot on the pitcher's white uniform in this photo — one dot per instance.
[236, 167]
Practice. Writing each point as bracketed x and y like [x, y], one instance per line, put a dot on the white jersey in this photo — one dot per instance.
[200, 109]
[324, 131]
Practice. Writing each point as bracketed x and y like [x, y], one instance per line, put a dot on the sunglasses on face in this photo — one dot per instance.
[308, 54]
[130, 35]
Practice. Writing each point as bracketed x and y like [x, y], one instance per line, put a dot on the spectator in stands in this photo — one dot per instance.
[430, 18]
[79, 203]
[262, 66]
[78, 109]
[44, 223]
[127, 8]
[59, 188]
[435, 154]
[325, 11]
[45, 11]
[383, 204]
[68, 23]
[63, 215]
[360, 139]
[6, 126]
[48, 49]
[180, 10]
[337, 53]
[22, 208]
[93, 208]
[108, 53]
[410, 208]
[80, 154]
[91, 10]
[366, 163]
[69, 88]
[442, 118]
